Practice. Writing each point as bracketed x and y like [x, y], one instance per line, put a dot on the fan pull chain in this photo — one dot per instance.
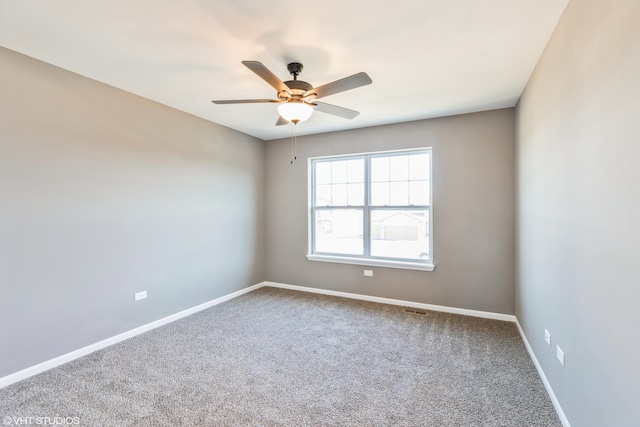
[294, 144]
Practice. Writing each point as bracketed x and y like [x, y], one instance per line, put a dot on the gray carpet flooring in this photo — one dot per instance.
[276, 357]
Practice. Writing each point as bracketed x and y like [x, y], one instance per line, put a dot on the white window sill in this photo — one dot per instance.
[372, 262]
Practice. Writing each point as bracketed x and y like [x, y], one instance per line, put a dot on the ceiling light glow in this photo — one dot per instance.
[295, 111]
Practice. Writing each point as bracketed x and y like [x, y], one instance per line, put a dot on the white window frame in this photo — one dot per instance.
[366, 259]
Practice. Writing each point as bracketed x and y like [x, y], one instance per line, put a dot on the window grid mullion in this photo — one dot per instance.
[366, 223]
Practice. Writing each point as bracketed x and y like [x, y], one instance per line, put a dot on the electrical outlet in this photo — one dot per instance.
[140, 296]
[368, 273]
[547, 337]
[560, 355]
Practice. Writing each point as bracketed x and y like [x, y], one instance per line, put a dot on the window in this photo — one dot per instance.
[372, 209]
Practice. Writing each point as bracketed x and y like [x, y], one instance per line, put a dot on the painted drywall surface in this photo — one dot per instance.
[473, 212]
[104, 194]
[579, 198]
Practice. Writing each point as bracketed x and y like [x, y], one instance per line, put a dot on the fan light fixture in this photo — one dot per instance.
[297, 99]
[295, 111]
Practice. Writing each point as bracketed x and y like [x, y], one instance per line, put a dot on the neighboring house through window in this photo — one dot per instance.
[372, 209]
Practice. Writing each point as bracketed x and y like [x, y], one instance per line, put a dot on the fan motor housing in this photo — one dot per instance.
[298, 90]
[298, 84]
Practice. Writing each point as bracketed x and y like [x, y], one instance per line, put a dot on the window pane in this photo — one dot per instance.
[380, 193]
[356, 194]
[323, 172]
[339, 171]
[379, 169]
[399, 193]
[323, 195]
[356, 170]
[400, 234]
[419, 167]
[339, 231]
[399, 168]
[419, 192]
[347, 177]
[339, 195]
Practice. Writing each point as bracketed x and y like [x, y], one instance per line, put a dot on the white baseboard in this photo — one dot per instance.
[543, 377]
[52, 363]
[453, 310]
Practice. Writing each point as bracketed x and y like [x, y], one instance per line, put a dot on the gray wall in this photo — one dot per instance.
[103, 194]
[473, 212]
[579, 205]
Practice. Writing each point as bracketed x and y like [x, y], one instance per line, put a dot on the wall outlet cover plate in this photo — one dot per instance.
[560, 355]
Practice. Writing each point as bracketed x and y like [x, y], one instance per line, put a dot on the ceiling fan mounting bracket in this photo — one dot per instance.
[295, 68]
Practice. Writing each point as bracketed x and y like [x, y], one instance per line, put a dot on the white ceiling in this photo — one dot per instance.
[427, 58]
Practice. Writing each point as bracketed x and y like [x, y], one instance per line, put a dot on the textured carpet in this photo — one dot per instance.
[275, 357]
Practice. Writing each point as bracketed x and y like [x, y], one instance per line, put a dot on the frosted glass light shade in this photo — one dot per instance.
[295, 112]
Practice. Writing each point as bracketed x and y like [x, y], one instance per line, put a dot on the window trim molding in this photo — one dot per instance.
[368, 260]
[372, 262]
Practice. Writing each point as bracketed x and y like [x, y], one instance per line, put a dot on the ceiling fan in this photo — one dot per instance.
[297, 98]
